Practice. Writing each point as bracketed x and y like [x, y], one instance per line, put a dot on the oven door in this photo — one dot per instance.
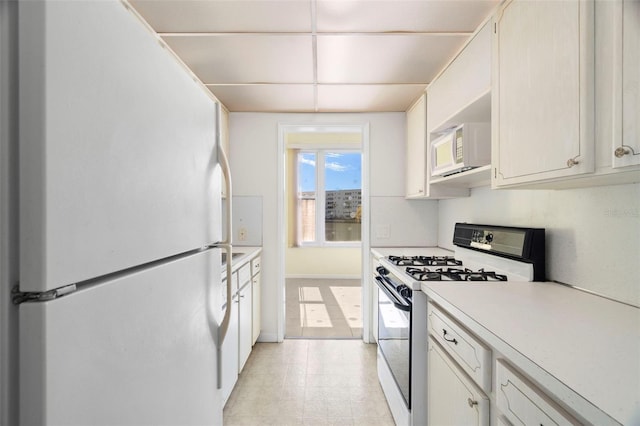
[394, 330]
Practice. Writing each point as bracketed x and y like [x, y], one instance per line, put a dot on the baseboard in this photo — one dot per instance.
[322, 277]
[268, 337]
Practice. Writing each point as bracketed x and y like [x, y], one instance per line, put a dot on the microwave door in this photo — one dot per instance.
[443, 154]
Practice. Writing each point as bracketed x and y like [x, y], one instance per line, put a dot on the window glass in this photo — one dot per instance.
[332, 214]
[307, 196]
[343, 196]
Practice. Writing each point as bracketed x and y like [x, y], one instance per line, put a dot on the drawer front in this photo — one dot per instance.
[244, 275]
[524, 404]
[473, 356]
[255, 266]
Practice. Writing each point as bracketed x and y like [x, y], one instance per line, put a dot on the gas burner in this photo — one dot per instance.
[424, 261]
[424, 274]
[482, 275]
[454, 274]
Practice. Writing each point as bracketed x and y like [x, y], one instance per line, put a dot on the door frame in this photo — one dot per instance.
[283, 130]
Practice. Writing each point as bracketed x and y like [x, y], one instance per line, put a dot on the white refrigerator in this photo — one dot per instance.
[120, 224]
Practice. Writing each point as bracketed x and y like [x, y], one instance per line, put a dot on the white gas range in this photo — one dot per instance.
[483, 253]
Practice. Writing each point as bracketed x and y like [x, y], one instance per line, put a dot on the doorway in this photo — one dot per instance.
[324, 221]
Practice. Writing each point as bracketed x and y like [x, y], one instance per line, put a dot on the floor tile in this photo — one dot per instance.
[329, 382]
[323, 308]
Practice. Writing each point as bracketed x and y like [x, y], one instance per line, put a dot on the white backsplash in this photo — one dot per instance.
[592, 234]
[397, 222]
[247, 220]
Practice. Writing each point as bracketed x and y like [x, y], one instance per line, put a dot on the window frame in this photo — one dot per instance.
[320, 207]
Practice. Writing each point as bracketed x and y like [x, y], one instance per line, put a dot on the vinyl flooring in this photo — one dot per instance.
[309, 382]
[323, 308]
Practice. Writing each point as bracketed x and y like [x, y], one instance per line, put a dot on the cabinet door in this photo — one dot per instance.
[256, 312]
[245, 337]
[453, 399]
[462, 83]
[542, 93]
[628, 152]
[229, 353]
[416, 148]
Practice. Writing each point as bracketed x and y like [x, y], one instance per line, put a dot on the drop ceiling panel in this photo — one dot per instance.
[355, 98]
[401, 15]
[244, 58]
[265, 97]
[226, 16]
[387, 58]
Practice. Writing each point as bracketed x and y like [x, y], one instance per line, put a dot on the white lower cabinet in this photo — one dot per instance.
[229, 353]
[453, 398]
[256, 286]
[256, 311]
[522, 403]
[245, 323]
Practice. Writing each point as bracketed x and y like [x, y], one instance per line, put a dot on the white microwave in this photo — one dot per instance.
[461, 148]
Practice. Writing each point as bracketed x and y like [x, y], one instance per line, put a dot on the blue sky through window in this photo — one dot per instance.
[343, 170]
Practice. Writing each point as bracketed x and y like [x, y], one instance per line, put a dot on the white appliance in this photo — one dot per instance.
[120, 224]
[461, 148]
[483, 253]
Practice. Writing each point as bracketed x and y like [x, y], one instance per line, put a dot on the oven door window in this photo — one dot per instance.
[394, 329]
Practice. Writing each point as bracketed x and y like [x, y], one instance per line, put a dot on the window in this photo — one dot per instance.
[329, 196]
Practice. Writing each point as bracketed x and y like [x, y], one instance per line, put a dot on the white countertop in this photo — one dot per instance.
[582, 348]
[246, 254]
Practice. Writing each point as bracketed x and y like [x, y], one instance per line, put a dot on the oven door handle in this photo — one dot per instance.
[398, 303]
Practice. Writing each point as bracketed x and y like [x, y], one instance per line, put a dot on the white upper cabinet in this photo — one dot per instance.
[460, 94]
[416, 148]
[543, 103]
[566, 94]
[453, 95]
[626, 24]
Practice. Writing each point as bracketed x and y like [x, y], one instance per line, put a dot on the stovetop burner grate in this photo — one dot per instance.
[454, 274]
[424, 261]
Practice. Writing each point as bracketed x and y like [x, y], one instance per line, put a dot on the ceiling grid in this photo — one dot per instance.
[315, 55]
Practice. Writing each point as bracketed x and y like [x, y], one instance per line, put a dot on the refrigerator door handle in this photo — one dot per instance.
[226, 244]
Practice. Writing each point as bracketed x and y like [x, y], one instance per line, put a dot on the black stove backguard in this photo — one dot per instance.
[522, 244]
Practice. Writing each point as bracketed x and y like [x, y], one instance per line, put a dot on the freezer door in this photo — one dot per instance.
[118, 162]
[137, 350]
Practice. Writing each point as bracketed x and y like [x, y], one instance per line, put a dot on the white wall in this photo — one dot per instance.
[592, 234]
[254, 163]
[334, 262]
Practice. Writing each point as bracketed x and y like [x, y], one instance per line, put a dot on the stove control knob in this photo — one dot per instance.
[489, 237]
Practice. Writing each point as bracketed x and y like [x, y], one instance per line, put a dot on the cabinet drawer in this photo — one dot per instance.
[473, 356]
[244, 275]
[524, 404]
[255, 266]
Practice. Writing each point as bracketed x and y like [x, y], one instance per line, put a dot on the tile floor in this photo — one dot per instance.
[324, 308]
[309, 382]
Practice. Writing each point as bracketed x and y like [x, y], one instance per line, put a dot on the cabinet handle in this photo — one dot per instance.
[572, 162]
[444, 336]
[471, 402]
[621, 152]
